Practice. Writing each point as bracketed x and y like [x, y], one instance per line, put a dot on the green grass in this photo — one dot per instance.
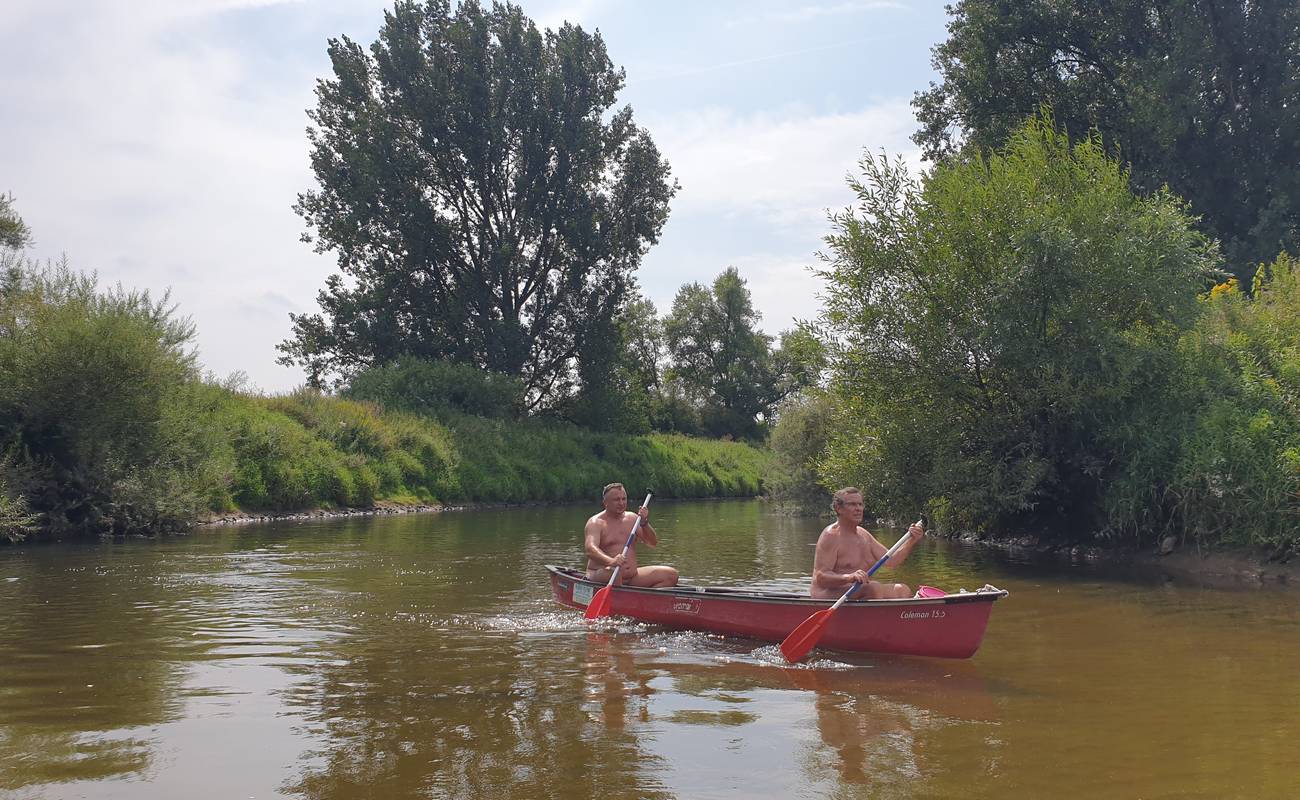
[307, 450]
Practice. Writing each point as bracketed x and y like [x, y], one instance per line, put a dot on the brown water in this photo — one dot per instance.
[422, 656]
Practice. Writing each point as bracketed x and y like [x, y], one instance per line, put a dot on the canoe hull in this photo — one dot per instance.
[951, 626]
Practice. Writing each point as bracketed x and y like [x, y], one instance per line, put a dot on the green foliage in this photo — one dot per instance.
[16, 520]
[14, 233]
[100, 406]
[798, 443]
[307, 450]
[621, 389]
[724, 364]
[997, 328]
[486, 203]
[1195, 95]
[1237, 479]
[435, 388]
[538, 460]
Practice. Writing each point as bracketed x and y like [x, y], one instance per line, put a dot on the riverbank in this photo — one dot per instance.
[1221, 568]
[385, 508]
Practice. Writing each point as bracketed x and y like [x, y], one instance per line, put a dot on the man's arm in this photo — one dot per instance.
[914, 534]
[646, 533]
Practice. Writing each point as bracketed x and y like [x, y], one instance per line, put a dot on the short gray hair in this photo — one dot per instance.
[838, 499]
[609, 487]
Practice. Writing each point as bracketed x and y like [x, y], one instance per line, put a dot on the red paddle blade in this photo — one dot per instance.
[600, 603]
[804, 638]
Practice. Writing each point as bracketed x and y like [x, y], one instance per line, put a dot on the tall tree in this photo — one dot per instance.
[485, 204]
[1201, 95]
[621, 388]
[725, 363]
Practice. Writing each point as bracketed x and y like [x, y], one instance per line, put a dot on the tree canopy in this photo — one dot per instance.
[14, 233]
[1201, 95]
[486, 204]
[1004, 331]
[725, 363]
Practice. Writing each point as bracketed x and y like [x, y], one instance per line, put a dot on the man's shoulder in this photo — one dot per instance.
[866, 536]
[831, 531]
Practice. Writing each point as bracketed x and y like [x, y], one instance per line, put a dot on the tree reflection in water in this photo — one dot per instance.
[469, 714]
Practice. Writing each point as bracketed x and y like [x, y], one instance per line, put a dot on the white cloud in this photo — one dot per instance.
[155, 154]
[162, 144]
[781, 170]
[764, 182]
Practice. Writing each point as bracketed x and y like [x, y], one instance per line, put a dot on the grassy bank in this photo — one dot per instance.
[306, 450]
[107, 428]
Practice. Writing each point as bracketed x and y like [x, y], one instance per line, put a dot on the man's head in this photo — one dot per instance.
[614, 497]
[848, 501]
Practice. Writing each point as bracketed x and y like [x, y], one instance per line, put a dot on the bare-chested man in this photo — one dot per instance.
[845, 551]
[606, 534]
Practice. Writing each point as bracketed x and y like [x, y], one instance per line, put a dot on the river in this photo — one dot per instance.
[421, 656]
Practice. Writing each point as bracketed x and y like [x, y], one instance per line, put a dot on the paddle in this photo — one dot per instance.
[599, 605]
[805, 637]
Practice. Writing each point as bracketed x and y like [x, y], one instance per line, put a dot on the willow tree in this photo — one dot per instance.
[1006, 332]
[486, 203]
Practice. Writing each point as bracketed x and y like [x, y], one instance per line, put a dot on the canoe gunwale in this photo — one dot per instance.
[987, 594]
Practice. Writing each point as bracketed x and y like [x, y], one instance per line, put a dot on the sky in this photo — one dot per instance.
[162, 143]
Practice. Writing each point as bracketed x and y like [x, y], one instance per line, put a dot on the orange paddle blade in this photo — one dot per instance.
[804, 638]
[600, 603]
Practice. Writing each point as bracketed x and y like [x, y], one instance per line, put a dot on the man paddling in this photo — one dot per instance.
[606, 534]
[845, 551]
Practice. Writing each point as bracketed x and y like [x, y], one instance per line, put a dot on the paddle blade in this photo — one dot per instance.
[600, 603]
[805, 637]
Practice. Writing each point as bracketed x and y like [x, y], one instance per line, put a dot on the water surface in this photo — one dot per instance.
[421, 656]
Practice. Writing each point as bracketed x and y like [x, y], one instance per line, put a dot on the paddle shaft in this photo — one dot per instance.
[613, 576]
[858, 584]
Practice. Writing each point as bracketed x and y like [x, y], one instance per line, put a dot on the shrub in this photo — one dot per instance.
[1001, 325]
[798, 442]
[101, 405]
[439, 387]
[16, 520]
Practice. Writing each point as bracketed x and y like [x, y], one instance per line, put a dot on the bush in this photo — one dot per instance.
[101, 405]
[798, 442]
[1004, 325]
[16, 520]
[1237, 478]
[439, 387]
[305, 449]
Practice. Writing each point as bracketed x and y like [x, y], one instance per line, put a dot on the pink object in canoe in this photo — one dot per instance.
[945, 626]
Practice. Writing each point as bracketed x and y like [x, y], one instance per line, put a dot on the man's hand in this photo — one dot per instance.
[619, 560]
[916, 531]
[860, 576]
[644, 514]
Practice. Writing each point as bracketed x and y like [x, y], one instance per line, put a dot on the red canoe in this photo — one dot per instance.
[951, 626]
